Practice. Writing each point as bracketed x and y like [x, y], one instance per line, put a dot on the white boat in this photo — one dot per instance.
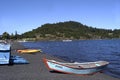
[75, 68]
[68, 40]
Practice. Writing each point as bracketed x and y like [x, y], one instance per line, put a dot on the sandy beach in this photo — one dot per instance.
[36, 70]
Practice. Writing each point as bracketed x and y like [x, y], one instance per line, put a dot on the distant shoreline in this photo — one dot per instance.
[64, 40]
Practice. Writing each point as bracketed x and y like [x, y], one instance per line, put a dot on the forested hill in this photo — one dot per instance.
[70, 30]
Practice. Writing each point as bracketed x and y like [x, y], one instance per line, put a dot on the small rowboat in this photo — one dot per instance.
[29, 51]
[75, 68]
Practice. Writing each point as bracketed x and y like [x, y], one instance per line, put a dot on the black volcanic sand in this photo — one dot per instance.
[36, 70]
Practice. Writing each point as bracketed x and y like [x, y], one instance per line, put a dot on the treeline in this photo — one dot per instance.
[68, 30]
[7, 36]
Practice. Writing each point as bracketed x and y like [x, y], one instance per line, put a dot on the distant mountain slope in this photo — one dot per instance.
[70, 30]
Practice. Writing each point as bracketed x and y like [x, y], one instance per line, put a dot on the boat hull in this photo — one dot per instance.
[81, 71]
[29, 51]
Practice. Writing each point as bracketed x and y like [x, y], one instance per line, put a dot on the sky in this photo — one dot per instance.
[26, 15]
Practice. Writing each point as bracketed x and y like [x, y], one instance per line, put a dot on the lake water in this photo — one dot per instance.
[84, 51]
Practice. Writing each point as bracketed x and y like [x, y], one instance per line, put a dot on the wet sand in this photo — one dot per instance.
[36, 70]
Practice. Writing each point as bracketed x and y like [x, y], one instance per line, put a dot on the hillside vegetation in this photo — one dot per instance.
[70, 30]
[65, 30]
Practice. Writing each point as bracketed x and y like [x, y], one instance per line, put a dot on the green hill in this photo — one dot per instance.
[70, 30]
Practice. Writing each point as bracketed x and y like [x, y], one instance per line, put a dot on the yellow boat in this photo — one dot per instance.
[29, 51]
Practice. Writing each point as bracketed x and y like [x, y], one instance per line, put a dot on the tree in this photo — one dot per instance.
[5, 35]
[12, 36]
[16, 35]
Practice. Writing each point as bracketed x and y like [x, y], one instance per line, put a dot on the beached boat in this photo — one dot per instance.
[4, 53]
[29, 51]
[75, 68]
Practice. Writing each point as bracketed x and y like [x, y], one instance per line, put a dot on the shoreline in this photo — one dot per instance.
[36, 70]
[63, 40]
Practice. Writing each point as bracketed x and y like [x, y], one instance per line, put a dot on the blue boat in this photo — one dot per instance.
[7, 58]
[4, 53]
[4, 57]
[75, 68]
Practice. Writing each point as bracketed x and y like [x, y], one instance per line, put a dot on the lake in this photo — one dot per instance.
[83, 51]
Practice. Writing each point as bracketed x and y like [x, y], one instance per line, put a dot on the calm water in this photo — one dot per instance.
[84, 50]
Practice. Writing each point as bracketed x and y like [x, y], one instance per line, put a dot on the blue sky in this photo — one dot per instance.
[25, 15]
